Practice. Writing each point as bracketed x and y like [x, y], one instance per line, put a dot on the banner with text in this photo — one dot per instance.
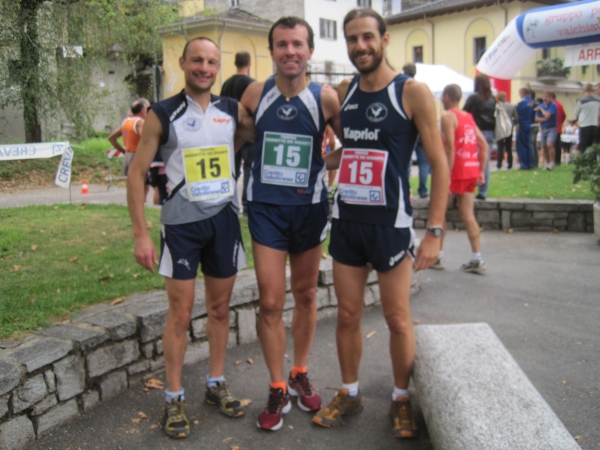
[41, 151]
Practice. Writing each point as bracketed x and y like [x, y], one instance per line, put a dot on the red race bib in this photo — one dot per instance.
[361, 176]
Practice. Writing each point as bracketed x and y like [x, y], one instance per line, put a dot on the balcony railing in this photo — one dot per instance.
[552, 69]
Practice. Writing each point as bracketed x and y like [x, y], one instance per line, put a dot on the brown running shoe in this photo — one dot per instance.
[403, 421]
[341, 405]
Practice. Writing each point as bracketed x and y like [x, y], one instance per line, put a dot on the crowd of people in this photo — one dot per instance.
[284, 129]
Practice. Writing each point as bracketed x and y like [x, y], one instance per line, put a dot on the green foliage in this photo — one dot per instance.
[587, 168]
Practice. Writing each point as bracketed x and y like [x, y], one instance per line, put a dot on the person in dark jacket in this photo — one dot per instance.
[482, 106]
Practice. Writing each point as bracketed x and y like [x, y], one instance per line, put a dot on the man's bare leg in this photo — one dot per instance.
[466, 210]
[269, 264]
[305, 273]
[394, 288]
[181, 300]
[549, 153]
[217, 296]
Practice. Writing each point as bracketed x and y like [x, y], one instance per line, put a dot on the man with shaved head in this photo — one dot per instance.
[194, 133]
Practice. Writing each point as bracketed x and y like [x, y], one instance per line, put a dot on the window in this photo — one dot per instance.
[234, 3]
[479, 48]
[418, 54]
[363, 3]
[545, 53]
[328, 29]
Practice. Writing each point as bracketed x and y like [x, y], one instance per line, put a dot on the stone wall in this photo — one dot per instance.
[52, 376]
[519, 215]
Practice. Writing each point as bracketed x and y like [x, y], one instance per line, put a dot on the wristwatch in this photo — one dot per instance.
[436, 231]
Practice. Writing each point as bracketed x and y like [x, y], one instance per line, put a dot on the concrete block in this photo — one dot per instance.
[505, 220]
[327, 313]
[589, 228]
[419, 224]
[289, 301]
[486, 217]
[148, 350]
[551, 205]
[550, 215]
[246, 321]
[138, 367]
[90, 399]
[55, 416]
[152, 318]
[10, 376]
[560, 223]
[287, 318]
[119, 325]
[372, 277]
[105, 359]
[422, 214]
[44, 405]
[245, 289]
[542, 228]
[199, 308]
[521, 228]
[50, 381]
[522, 215]
[511, 206]
[467, 381]
[196, 352]
[374, 288]
[452, 215]
[40, 352]
[3, 405]
[326, 272]
[490, 226]
[113, 384]
[333, 301]
[369, 298]
[157, 363]
[322, 297]
[70, 377]
[199, 328]
[576, 222]
[232, 340]
[29, 393]
[16, 434]
[489, 204]
[86, 336]
[159, 345]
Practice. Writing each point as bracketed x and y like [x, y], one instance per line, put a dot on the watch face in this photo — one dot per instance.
[436, 231]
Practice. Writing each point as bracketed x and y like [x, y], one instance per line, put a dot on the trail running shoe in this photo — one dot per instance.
[403, 421]
[219, 395]
[278, 405]
[341, 405]
[438, 265]
[474, 266]
[308, 399]
[175, 423]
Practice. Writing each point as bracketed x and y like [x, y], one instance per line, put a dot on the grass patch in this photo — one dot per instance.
[556, 184]
[56, 260]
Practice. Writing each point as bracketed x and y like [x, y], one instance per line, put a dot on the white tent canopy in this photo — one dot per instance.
[438, 76]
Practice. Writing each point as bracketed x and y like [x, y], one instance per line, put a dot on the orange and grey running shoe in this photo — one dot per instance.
[403, 421]
[341, 405]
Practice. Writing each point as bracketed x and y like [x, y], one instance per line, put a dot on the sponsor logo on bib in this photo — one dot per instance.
[287, 112]
[376, 112]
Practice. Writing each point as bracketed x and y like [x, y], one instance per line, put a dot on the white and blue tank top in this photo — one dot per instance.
[288, 167]
[378, 140]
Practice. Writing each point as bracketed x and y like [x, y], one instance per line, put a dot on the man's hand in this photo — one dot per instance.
[427, 253]
[145, 253]
[480, 179]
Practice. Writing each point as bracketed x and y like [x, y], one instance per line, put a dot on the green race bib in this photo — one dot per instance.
[286, 159]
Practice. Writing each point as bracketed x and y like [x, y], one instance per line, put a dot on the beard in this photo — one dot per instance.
[375, 63]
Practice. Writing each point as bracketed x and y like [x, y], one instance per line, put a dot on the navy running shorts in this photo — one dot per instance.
[214, 243]
[294, 229]
[357, 243]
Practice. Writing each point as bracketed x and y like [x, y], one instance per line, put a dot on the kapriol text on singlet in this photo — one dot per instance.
[361, 135]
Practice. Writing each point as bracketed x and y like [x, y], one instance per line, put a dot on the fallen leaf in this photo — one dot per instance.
[324, 255]
[154, 383]
[234, 447]
[416, 321]
[196, 422]
[371, 334]
[17, 268]
[73, 258]
[245, 402]
[286, 355]
[154, 426]
[250, 361]
[555, 231]
[117, 301]
[58, 291]
[145, 389]
[42, 231]
[136, 420]
[85, 268]
[526, 305]
[98, 252]
[291, 427]
[149, 225]
[135, 275]
[132, 431]
[564, 381]
[143, 415]
[238, 362]
[510, 230]
[55, 208]
[577, 438]
[104, 233]
[34, 247]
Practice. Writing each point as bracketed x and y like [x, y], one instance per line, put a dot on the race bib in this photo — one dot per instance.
[207, 172]
[361, 176]
[286, 159]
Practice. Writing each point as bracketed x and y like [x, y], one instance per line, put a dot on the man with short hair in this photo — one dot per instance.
[587, 113]
[561, 116]
[546, 117]
[533, 132]
[130, 130]
[194, 133]
[525, 112]
[288, 208]
[382, 115]
[462, 138]
[234, 87]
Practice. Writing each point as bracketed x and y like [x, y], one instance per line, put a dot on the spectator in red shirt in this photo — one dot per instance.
[560, 118]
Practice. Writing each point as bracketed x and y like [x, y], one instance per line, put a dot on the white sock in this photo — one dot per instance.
[476, 256]
[212, 382]
[441, 255]
[171, 395]
[399, 393]
[352, 388]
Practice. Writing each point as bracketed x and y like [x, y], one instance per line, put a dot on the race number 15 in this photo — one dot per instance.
[361, 169]
[292, 156]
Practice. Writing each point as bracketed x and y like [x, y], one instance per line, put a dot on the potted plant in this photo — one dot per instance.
[587, 168]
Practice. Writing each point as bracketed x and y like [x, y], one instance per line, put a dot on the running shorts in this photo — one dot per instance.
[461, 187]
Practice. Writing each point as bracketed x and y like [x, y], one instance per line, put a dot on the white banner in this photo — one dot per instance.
[40, 151]
[582, 55]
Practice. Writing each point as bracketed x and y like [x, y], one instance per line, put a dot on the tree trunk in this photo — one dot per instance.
[30, 66]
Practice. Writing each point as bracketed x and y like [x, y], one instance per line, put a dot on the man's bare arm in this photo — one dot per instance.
[483, 155]
[448, 123]
[251, 96]
[145, 252]
[419, 104]
[112, 138]
[245, 128]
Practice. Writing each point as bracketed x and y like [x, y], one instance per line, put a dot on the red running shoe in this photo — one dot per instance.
[308, 399]
[278, 405]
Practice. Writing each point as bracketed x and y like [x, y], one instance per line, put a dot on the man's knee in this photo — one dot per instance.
[399, 323]
[349, 316]
[180, 320]
[270, 308]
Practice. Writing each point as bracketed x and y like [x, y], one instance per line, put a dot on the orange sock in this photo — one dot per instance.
[279, 385]
[297, 369]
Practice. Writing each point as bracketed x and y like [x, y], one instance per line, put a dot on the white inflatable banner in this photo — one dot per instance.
[573, 23]
[40, 151]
